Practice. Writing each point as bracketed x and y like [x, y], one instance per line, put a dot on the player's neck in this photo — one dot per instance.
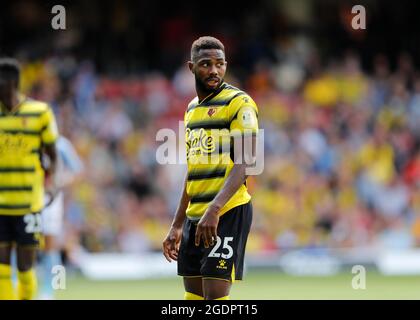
[203, 94]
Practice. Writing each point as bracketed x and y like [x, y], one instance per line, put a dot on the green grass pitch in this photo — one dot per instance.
[256, 285]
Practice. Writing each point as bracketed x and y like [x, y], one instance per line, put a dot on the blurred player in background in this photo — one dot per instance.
[210, 244]
[27, 130]
[69, 169]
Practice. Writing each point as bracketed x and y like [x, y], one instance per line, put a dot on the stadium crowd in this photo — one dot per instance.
[342, 151]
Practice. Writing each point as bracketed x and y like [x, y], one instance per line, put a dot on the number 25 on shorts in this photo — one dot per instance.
[33, 222]
[226, 251]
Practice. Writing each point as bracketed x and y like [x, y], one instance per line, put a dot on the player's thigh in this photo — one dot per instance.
[27, 235]
[5, 252]
[216, 288]
[194, 285]
[189, 255]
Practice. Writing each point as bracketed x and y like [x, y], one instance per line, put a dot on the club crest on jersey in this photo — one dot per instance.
[211, 112]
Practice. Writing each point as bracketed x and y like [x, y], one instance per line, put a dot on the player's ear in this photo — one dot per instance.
[190, 65]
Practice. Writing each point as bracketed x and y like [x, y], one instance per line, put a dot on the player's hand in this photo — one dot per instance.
[207, 227]
[171, 244]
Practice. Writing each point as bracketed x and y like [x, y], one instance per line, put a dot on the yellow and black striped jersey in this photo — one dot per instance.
[22, 135]
[210, 124]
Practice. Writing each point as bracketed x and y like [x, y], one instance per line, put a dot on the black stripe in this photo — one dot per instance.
[16, 169]
[222, 148]
[15, 206]
[29, 132]
[245, 134]
[222, 102]
[236, 114]
[215, 93]
[241, 93]
[214, 103]
[209, 174]
[229, 86]
[203, 197]
[209, 124]
[206, 102]
[47, 144]
[207, 99]
[36, 150]
[29, 114]
[23, 188]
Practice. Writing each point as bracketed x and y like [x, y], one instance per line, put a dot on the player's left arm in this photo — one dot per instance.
[243, 131]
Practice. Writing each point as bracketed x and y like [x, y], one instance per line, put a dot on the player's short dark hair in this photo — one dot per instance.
[206, 42]
[10, 69]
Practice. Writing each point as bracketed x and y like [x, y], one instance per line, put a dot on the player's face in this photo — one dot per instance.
[209, 69]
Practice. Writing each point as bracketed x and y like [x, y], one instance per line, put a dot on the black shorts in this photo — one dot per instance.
[225, 259]
[23, 229]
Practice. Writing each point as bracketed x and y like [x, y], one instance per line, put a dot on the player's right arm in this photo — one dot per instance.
[173, 239]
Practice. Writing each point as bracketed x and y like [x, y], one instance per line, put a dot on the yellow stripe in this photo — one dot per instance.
[196, 210]
[14, 212]
[214, 278]
[20, 123]
[15, 198]
[232, 276]
[192, 296]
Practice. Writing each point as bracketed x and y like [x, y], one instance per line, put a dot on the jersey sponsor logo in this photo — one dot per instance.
[199, 142]
[13, 144]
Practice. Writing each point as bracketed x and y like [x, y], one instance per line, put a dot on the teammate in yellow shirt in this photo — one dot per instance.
[28, 132]
[211, 225]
